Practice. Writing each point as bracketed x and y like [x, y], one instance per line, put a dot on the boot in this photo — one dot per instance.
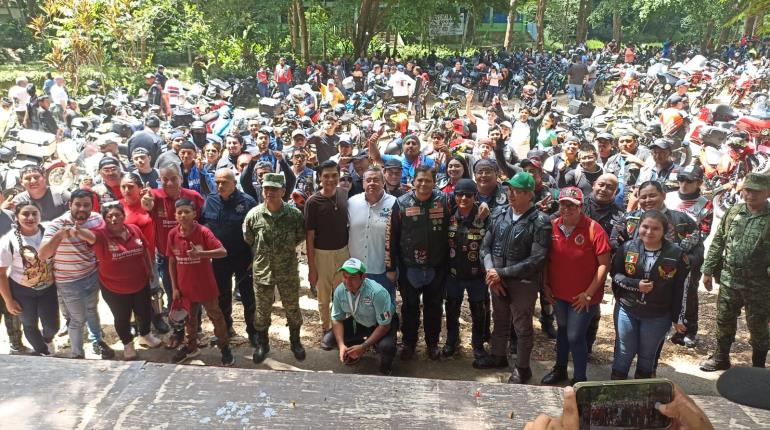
[547, 325]
[296, 346]
[617, 376]
[263, 347]
[758, 358]
[478, 323]
[717, 361]
[520, 375]
[490, 362]
[641, 374]
[556, 376]
[452, 308]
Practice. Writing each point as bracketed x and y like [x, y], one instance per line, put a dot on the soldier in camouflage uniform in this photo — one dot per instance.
[739, 260]
[273, 230]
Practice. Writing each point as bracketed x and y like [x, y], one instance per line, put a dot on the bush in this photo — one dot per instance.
[594, 44]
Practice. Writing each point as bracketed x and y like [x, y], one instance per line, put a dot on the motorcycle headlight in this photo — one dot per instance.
[667, 87]
[765, 131]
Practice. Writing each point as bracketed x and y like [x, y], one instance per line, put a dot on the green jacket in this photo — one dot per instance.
[740, 251]
[273, 239]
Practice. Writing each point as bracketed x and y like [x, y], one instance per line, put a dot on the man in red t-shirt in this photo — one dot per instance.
[161, 204]
[190, 248]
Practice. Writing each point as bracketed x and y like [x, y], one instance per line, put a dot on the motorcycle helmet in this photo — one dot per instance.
[339, 111]
[444, 96]
[305, 122]
[371, 94]
[737, 140]
[325, 105]
[529, 90]
[92, 85]
[31, 89]
[394, 147]
[355, 97]
[459, 127]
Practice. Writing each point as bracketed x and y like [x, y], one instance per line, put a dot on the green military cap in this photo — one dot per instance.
[756, 181]
[522, 180]
[274, 180]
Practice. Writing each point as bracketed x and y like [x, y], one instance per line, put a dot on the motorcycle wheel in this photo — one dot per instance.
[761, 163]
[618, 102]
[55, 176]
[695, 106]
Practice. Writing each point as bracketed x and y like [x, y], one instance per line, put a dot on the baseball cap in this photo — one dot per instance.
[176, 135]
[108, 138]
[571, 194]
[297, 132]
[674, 99]
[148, 75]
[690, 173]
[534, 162]
[275, 180]
[521, 180]
[140, 151]
[466, 185]
[756, 181]
[506, 124]
[400, 67]
[152, 121]
[392, 163]
[606, 136]
[484, 163]
[662, 143]
[345, 139]
[353, 266]
[742, 384]
[682, 82]
[108, 161]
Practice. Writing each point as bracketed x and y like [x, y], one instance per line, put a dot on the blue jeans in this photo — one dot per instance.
[161, 262]
[81, 299]
[572, 328]
[284, 88]
[638, 337]
[262, 89]
[383, 280]
[574, 91]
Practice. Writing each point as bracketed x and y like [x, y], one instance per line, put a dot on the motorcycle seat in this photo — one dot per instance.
[725, 113]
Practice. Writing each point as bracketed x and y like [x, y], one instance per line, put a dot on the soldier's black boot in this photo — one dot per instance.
[717, 361]
[547, 325]
[296, 346]
[478, 321]
[758, 358]
[263, 347]
[555, 376]
[452, 308]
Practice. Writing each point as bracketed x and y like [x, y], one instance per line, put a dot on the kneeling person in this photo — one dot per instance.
[363, 315]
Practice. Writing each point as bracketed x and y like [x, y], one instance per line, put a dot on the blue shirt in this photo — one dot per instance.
[225, 219]
[407, 172]
[371, 306]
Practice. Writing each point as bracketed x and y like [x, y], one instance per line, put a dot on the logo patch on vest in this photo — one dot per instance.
[630, 227]
[630, 269]
[666, 271]
[632, 257]
[473, 256]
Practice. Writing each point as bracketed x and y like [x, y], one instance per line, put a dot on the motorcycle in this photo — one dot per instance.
[625, 91]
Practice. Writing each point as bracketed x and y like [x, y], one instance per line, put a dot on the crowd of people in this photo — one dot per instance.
[512, 222]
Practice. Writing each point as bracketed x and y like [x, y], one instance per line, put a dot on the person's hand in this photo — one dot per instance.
[312, 275]
[493, 276]
[355, 352]
[175, 294]
[278, 155]
[708, 282]
[13, 307]
[146, 194]
[581, 302]
[497, 289]
[484, 212]
[391, 276]
[680, 328]
[684, 412]
[569, 420]
[548, 96]
[645, 286]
[469, 97]
[8, 203]
[545, 203]
[199, 161]
[194, 251]
[548, 292]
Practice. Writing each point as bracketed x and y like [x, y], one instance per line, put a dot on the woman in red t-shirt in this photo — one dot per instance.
[125, 269]
[133, 190]
[577, 267]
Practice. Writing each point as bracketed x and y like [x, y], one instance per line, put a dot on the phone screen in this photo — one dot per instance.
[623, 404]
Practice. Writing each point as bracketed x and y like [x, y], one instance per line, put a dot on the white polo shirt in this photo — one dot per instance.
[367, 230]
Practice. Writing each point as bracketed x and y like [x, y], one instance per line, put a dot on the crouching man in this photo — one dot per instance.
[363, 316]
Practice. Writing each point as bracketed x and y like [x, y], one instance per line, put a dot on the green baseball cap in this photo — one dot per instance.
[275, 180]
[521, 180]
[756, 181]
[353, 266]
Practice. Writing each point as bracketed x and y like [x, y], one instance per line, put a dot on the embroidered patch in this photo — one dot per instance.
[630, 227]
[579, 239]
[473, 256]
[474, 246]
[501, 199]
[452, 253]
[413, 211]
[632, 257]
[666, 272]
[386, 315]
[630, 269]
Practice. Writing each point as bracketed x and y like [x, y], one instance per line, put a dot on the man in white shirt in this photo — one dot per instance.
[402, 85]
[174, 90]
[20, 98]
[369, 214]
[59, 98]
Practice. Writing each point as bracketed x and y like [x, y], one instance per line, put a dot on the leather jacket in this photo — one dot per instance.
[465, 237]
[421, 229]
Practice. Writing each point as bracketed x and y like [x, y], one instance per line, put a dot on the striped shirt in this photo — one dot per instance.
[74, 258]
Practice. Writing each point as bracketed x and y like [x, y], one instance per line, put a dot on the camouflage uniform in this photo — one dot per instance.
[274, 239]
[739, 257]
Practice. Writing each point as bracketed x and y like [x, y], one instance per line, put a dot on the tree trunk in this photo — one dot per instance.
[509, 26]
[584, 11]
[369, 17]
[617, 27]
[748, 25]
[303, 33]
[293, 33]
[706, 39]
[31, 8]
[540, 22]
[758, 23]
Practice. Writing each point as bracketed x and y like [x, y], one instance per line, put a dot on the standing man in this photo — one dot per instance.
[59, 98]
[514, 252]
[576, 78]
[402, 86]
[626, 165]
[361, 324]
[175, 90]
[53, 201]
[19, 96]
[155, 95]
[224, 213]
[369, 214]
[326, 225]
[739, 260]
[150, 175]
[74, 266]
[148, 139]
[419, 228]
[274, 229]
[282, 76]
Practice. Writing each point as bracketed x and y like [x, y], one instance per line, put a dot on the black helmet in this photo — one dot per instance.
[31, 89]
[306, 122]
[325, 105]
[339, 111]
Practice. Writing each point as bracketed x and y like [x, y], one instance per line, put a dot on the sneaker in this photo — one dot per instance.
[18, 349]
[101, 348]
[149, 340]
[690, 341]
[184, 354]
[129, 352]
[228, 359]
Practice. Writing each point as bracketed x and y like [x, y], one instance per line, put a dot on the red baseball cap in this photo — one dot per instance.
[571, 194]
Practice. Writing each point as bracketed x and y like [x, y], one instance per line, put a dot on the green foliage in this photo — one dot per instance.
[594, 44]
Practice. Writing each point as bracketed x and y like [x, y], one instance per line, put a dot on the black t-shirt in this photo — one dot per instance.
[52, 205]
[326, 146]
[328, 217]
[151, 178]
[148, 140]
[577, 72]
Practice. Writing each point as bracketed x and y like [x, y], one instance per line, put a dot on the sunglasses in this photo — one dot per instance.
[466, 195]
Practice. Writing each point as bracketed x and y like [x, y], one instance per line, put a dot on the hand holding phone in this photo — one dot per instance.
[623, 404]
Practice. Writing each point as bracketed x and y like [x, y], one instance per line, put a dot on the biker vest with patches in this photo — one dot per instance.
[680, 225]
[512, 240]
[698, 210]
[662, 299]
[465, 237]
[423, 240]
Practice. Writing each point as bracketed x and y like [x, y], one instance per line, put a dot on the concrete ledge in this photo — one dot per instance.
[82, 394]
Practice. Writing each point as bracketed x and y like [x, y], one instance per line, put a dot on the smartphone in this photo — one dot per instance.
[623, 404]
